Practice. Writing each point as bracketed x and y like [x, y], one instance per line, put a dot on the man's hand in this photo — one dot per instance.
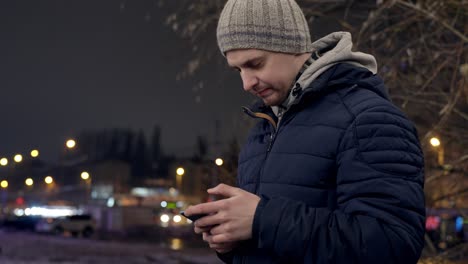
[219, 247]
[230, 220]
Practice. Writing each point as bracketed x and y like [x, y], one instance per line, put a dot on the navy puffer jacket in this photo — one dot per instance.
[340, 180]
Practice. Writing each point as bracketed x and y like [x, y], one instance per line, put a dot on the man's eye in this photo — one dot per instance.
[257, 65]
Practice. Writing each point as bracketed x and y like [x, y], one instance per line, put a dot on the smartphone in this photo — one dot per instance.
[193, 217]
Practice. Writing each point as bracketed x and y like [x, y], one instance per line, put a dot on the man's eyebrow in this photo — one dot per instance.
[247, 63]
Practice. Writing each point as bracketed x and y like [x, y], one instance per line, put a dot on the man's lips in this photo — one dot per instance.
[264, 92]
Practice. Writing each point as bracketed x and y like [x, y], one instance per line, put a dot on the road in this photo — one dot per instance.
[29, 248]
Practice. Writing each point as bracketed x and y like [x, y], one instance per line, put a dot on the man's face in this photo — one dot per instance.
[268, 75]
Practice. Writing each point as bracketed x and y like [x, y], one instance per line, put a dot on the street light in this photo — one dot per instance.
[219, 161]
[34, 153]
[4, 161]
[71, 143]
[180, 172]
[48, 180]
[215, 176]
[4, 184]
[84, 175]
[29, 182]
[18, 158]
[435, 142]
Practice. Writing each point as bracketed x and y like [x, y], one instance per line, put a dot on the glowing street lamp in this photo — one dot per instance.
[84, 175]
[3, 161]
[4, 184]
[180, 172]
[29, 182]
[34, 153]
[70, 143]
[48, 180]
[18, 158]
[219, 161]
[435, 142]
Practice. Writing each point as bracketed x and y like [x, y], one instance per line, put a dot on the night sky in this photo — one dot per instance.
[72, 66]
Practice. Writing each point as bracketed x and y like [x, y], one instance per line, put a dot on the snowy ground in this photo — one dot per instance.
[29, 248]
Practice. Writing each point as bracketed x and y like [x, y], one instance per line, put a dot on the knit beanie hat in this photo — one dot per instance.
[272, 25]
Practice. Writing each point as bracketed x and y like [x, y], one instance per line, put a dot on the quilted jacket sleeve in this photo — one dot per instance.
[380, 202]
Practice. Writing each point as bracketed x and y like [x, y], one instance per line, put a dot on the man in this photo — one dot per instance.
[333, 171]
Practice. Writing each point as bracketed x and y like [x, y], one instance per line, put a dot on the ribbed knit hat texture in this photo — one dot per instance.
[273, 25]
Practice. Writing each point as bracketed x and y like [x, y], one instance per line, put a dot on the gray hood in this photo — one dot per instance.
[339, 50]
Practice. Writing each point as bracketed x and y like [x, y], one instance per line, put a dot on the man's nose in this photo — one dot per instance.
[249, 81]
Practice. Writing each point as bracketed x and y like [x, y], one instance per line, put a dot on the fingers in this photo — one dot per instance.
[228, 220]
[219, 247]
[224, 190]
[210, 221]
[200, 230]
[216, 239]
[222, 248]
[206, 236]
[222, 251]
[204, 208]
[216, 230]
[221, 238]
[215, 206]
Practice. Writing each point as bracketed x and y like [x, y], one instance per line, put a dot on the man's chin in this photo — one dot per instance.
[270, 101]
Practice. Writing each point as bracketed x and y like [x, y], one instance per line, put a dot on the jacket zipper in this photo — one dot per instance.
[270, 145]
[270, 141]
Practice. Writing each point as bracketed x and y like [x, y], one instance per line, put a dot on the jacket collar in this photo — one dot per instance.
[327, 52]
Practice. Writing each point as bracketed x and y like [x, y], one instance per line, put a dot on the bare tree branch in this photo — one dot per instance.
[433, 16]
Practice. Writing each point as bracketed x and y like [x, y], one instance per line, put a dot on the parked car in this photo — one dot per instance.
[76, 225]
